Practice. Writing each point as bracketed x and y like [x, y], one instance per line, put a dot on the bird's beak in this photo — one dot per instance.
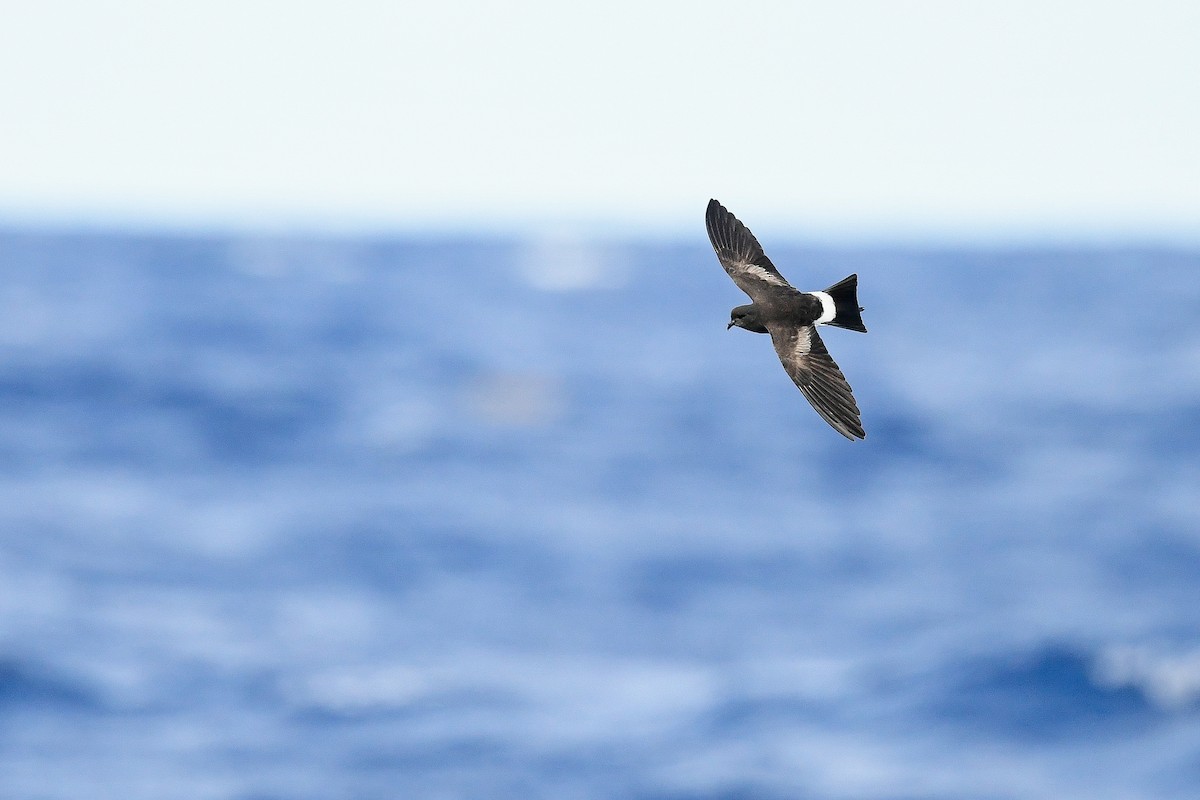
[730, 325]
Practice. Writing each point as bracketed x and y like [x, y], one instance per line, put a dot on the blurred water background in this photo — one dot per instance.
[305, 518]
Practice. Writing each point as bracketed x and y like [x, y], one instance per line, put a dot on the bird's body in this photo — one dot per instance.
[791, 318]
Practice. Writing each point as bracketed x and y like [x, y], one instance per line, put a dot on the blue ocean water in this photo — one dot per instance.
[304, 518]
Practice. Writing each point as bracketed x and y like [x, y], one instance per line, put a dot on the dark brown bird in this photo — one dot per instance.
[791, 317]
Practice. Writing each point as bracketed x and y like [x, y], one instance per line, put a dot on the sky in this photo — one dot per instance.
[925, 120]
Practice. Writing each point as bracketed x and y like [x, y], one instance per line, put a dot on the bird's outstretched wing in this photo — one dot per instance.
[740, 253]
[812, 369]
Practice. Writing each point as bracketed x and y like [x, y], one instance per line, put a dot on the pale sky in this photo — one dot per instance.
[841, 119]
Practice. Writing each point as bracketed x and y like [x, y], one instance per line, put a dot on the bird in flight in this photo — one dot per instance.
[791, 317]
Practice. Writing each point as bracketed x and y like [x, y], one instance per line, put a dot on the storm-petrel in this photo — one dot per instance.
[791, 317]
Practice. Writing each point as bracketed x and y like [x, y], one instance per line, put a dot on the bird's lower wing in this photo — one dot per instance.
[740, 253]
[816, 374]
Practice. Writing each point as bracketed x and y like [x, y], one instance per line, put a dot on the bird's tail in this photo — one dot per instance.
[845, 302]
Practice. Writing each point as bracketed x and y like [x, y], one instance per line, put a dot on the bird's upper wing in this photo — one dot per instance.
[740, 253]
[808, 363]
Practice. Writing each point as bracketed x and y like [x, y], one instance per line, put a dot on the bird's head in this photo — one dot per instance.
[746, 317]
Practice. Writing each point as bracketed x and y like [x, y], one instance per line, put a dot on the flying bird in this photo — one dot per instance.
[791, 317]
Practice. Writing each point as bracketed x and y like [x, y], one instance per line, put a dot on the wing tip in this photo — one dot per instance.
[727, 232]
[856, 434]
[720, 231]
[713, 214]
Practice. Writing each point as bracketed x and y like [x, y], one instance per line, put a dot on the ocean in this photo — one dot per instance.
[290, 517]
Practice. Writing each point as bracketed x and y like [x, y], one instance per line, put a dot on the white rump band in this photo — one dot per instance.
[828, 309]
